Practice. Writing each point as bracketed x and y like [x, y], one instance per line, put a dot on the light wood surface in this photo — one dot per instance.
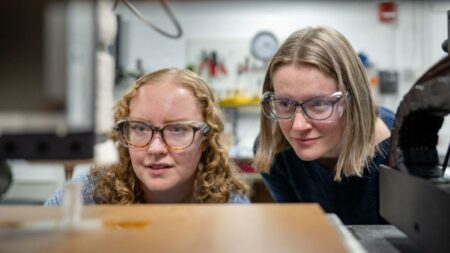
[175, 228]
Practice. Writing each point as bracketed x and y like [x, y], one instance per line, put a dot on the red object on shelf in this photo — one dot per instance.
[387, 12]
[246, 168]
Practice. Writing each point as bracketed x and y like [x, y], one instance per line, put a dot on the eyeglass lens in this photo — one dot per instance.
[315, 109]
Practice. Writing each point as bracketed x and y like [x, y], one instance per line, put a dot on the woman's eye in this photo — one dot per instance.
[319, 105]
[178, 128]
[138, 128]
[284, 103]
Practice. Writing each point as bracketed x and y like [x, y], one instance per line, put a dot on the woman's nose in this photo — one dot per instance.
[157, 145]
[300, 121]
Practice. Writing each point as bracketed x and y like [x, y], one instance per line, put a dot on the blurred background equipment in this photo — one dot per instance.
[124, 75]
[264, 45]
[388, 82]
[57, 78]
[173, 19]
[48, 79]
[5, 177]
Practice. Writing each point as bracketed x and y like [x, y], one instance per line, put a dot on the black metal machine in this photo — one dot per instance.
[414, 192]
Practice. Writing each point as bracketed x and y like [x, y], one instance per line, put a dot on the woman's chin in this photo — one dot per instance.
[307, 156]
[158, 186]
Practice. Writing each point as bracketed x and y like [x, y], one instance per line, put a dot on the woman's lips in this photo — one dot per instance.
[158, 169]
[306, 141]
[158, 166]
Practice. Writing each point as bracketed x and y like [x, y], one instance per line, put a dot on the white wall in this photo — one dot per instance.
[414, 40]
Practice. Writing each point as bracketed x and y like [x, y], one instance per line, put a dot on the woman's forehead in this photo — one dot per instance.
[165, 102]
[302, 81]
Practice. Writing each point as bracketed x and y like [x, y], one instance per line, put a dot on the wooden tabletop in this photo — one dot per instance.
[174, 228]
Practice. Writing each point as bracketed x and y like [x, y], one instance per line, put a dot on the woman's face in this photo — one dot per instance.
[165, 174]
[310, 139]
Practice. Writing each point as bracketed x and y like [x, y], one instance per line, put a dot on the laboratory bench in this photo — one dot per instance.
[171, 228]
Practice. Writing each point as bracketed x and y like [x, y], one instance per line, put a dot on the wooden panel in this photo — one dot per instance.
[177, 228]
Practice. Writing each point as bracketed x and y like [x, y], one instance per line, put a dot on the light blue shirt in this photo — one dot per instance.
[87, 190]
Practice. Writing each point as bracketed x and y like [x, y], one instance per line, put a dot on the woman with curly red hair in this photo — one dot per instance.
[172, 147]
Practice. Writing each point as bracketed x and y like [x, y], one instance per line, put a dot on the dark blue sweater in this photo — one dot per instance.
[355, 199]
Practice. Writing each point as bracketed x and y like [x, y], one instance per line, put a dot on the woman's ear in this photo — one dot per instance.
[204, 146]
[200, 166]
[340, 110]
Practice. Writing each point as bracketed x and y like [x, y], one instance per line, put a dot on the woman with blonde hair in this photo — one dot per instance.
[322, 138]
[172, 147]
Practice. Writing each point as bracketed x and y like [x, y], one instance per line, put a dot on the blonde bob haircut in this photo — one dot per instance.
[216, 176]
[331, 53]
